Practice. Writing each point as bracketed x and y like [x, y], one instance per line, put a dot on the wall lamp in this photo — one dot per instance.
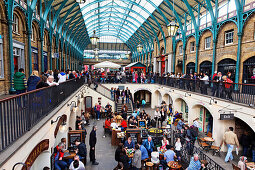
[212, 100]
[73, 107]
[19, 163]
[187, 94]
[62, 126]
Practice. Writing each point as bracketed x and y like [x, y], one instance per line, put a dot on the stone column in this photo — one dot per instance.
[159, 67]
[155, 64]
[169, 63]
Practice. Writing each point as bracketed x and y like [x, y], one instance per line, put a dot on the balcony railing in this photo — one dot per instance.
[22, 112]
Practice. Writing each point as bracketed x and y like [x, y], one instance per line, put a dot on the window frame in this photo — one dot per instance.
[192, 46]
[15, 24]
[180, 49]
[227, 33]
[209, 43]
[1, 60]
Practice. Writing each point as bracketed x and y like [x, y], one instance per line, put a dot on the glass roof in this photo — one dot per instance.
[116, 18]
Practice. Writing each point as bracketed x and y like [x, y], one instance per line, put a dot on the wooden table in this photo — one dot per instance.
[208, 139]
[71, 156]
[174, 165]
[250, 165]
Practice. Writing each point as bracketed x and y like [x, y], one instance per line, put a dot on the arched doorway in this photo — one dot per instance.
[206, 67]
[245, 134]
[205, 119]
[182, 107]
[249, 71]
[227, 65]
[163, 60]
[88, 103]
[158, 98]
[143, 94]
[190, 68]
[168, 99]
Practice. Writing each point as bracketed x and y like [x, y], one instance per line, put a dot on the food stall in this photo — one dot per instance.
[137, 66]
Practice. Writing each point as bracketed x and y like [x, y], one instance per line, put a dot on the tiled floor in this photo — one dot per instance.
[105, 151]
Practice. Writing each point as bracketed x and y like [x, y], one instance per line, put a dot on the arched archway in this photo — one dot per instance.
[168, 99]
[227, 65]
[143, 94]
[249, 71]
[205, 119]
[190, 68]
[206, 67]
[158, 98]
[182, 107]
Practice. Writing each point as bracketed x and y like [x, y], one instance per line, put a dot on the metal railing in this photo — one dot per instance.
[189, 149]
[22, 112]
[237, 92]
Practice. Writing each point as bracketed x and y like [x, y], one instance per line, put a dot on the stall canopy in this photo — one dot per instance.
[136, 66]
[107, 64]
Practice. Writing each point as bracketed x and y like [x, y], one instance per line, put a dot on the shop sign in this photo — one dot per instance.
[38, 149]
[226, 116]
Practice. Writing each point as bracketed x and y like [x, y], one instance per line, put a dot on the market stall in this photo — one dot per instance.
[137, 66]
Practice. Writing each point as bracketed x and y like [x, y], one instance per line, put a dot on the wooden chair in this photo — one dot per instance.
[235, 167]
[216, 150]
[203, 145]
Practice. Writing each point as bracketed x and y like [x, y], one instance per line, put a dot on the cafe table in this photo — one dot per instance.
[70, 156]
[174, 165]
[250, 165]
[209, 140]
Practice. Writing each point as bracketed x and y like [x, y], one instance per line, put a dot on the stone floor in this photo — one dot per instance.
[105, 151]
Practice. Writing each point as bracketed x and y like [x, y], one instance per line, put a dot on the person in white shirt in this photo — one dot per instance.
[77, 164]
[114, 125]
[205, 84]
[178, 147]
[157, 115]
[50, 81]
[195, 123]
[61, 77]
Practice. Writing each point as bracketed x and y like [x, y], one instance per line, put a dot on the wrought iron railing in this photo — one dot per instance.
[22, 112]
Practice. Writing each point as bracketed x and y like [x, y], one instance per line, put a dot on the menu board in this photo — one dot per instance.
[142, 123]
[72, 136]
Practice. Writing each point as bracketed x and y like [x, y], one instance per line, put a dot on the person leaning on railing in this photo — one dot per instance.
[19, 81]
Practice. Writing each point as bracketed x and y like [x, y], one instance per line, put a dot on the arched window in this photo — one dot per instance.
[33, 33]
[15, 26]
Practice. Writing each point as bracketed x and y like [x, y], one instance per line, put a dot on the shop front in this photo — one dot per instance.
[182, 107]
[45, 61]
[18, 54]
[227, 65]
[206, 67]
[190, 68]
[249, 71]
[137, 66]
[35, 58]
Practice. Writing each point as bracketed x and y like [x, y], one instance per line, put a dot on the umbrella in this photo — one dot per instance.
[107, 64]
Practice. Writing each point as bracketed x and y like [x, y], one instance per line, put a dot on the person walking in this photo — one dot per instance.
[230, 138]
[92, 144]
[19, 81]
[127, 94]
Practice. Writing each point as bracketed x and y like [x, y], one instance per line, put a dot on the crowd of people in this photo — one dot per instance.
[35, 81]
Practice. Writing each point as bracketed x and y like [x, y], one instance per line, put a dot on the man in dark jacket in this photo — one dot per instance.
[82, 150]
[92, 144]
[19, 81]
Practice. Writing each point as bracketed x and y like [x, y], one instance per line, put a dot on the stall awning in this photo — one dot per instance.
[135, 64]
[107, 64]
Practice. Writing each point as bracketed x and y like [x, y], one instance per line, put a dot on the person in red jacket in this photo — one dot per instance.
[58, 157]
[228, 87]
[123, 124]
[107, 126]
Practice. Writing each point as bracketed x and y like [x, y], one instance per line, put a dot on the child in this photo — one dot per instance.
[178, 146]
[170, 120]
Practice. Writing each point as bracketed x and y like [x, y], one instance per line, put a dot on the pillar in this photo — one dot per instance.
[239, 34]
[11, 55]
[155, 65]
[169, 63]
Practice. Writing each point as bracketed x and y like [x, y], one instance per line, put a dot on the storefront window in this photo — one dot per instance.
[207, 42]
[15, 26]
[229, 37]
[192, 46]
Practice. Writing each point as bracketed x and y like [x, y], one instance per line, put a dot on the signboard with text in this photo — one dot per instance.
[226, 116]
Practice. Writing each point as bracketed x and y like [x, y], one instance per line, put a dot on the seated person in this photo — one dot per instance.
[169, 155]
[129, 144]
[164, 143]
[149, 145]
[108, 108]
[114, 125]
[144, 151]
[107, 126]
[123, 124]
[58, 157]
[81, 150]
[194, 163]
[77, 164]
[134, 114]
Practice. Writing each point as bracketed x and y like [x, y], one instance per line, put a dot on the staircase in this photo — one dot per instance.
[119, 106]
